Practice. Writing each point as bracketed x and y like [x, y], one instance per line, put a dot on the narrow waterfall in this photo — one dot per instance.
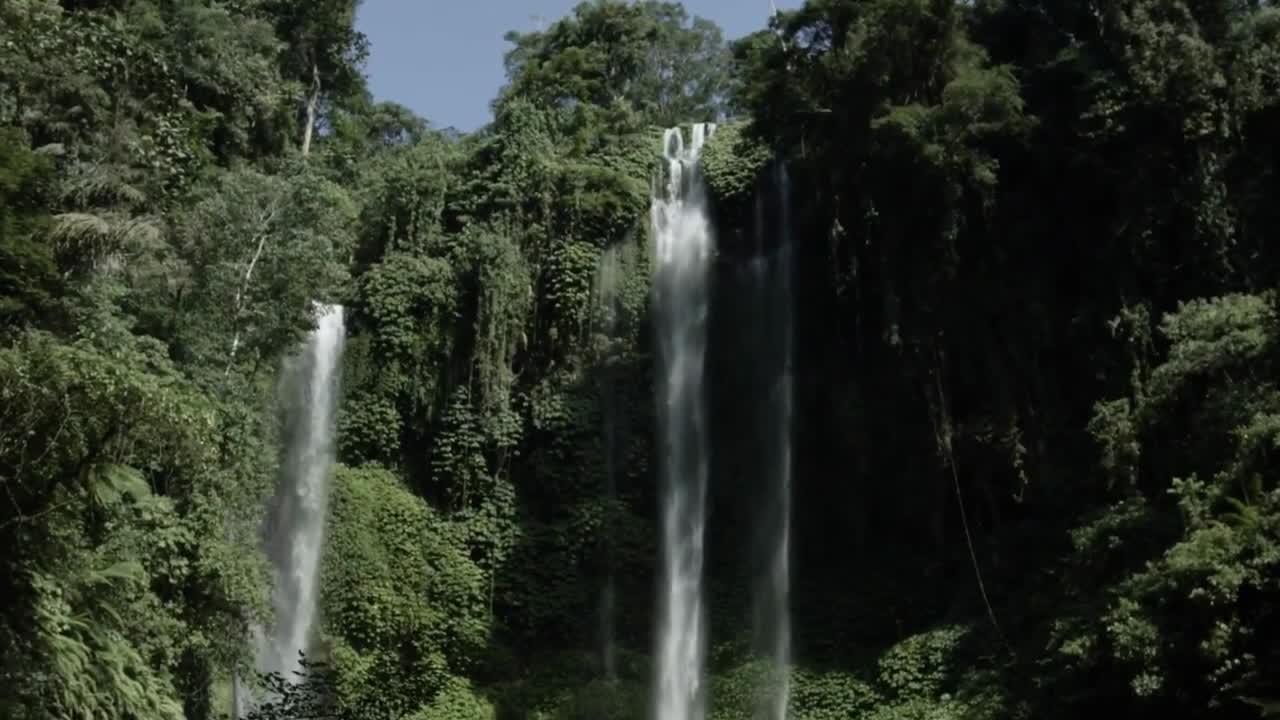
[295, 528]
[606, 288]
[683, 248]
[771, 348]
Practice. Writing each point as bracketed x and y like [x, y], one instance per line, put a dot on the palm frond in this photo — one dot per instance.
[101, 240]
[78, 229]
[110, 483]
[123, 571]
[100, 184]
[139, 233]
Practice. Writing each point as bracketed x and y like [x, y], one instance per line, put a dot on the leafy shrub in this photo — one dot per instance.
[918, 665]
[405, 606]
[731, 163]
[457, 701]
[830, 695]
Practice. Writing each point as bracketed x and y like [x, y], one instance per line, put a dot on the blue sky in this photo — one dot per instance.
[443, 58]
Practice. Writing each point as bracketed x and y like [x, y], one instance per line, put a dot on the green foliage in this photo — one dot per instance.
[1182, 623]
[1113, 428]
[29, 279]
[1201, 594]
[734, 693]
[917, 665]
[309, 696]
[406, 296]
[649, 55]
[93, 671]
[457, 701]
[405, 606]
[370, 426]
[954, 175]
[1212, 337]
[135, 463]
[567, 686]
[503, 304]
[611, 700]
[829, 695]
[928, 675]
[404, 197]
[731, 164]
[408, 306]
[458, 457]
[225, 56]
[1032, 282]
[324, 50]
[86, 85]
[260, 249]
[95, 628]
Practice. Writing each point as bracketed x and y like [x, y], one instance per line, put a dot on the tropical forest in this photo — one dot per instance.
[900, 360]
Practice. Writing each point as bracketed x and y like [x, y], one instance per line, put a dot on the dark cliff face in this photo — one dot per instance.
[872, 473]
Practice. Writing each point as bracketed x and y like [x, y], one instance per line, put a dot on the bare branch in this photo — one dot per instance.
[313, 101]
[264, 231]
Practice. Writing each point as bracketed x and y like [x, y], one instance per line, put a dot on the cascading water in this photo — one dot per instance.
[607, 285]
[295, 528]
[683, 248]
[772, 305]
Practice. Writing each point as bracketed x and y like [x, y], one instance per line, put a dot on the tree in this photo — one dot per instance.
[108, 467]
[227, 58]
[648, 55]
[261, 249]
[324, 53]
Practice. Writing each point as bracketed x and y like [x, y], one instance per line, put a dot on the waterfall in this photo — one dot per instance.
[295, 529]
[683, 247]
[606, 290]
[772, 309]
[296, 533]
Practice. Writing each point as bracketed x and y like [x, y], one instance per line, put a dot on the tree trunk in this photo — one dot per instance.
[312, 102]
[238, 306]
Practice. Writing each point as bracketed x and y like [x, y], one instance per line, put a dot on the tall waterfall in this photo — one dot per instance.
[771, 349]
[607, 286]
[683, 248]
[295, 527]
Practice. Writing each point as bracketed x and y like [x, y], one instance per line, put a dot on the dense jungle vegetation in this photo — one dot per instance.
[1038, 434]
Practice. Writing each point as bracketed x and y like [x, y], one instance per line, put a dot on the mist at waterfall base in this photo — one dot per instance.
[294, 533]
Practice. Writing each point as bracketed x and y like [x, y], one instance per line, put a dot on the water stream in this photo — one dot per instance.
[294, 534]
[683, 246]
[771, 351]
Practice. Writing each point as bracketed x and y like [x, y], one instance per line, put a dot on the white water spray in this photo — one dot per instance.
[295, 527]
[683, 248]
